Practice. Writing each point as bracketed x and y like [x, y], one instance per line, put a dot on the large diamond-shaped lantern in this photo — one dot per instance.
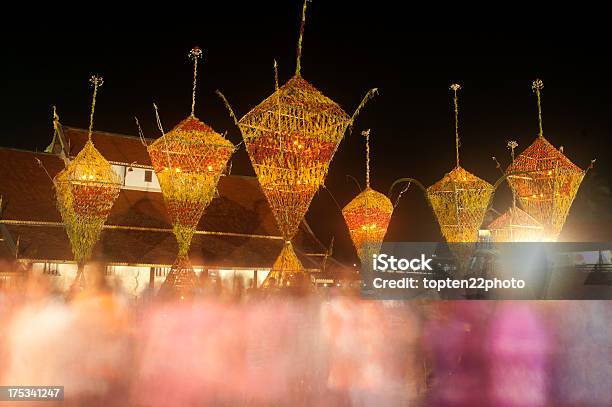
[291, 138]
[188, 162]
[459, 201]
[545, 180]
[546, 184]
[367, 217]
[85, 192]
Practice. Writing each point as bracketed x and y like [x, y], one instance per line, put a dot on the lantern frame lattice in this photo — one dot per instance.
[86, 191]
[459, 201]
[516, 225]
[367, 217]
[188, 162]
[546, 183]
[291, 138]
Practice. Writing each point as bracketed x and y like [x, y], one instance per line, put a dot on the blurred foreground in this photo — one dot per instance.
[322, 349]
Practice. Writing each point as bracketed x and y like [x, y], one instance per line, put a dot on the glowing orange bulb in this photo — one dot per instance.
[210, 168]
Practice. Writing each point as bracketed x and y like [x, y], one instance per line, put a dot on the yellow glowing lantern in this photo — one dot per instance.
[368, 215]
[86, 191]
[291, 138]
[460, 199]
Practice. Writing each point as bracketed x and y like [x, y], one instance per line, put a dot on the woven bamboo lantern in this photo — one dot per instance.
[188, 162]
[291, 138]
[86, 191]
[368, 215]
[515, 225]
[460, 199]
[546, 181]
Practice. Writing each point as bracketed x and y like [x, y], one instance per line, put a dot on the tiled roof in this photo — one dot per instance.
[114, 147]
[241, 208]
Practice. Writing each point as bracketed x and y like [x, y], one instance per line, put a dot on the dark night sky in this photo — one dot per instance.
[344, 56]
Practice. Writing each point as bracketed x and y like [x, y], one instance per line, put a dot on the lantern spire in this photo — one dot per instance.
[298, 65]
[195, 54]
[96, 82]
[366, 133]
[512, 145]
[455, 87]
[537, 87]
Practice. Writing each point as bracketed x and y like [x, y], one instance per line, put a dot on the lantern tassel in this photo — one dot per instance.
[371, 93]
[512, 145]
[227, 106]
[140, 133]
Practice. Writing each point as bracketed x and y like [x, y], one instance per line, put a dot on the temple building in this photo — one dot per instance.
[236, 240]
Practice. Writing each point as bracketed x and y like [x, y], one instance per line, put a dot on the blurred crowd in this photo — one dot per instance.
[109, 349]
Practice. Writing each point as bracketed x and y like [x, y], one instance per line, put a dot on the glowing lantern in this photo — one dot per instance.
[460, 199]
[188, 162]
[86, 191]
[515, 225]
[368, 215]
[291, 138]
[545, 180]
[286, 269]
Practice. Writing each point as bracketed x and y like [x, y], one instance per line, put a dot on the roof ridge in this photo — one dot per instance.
[23, 150]
[108, 133]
